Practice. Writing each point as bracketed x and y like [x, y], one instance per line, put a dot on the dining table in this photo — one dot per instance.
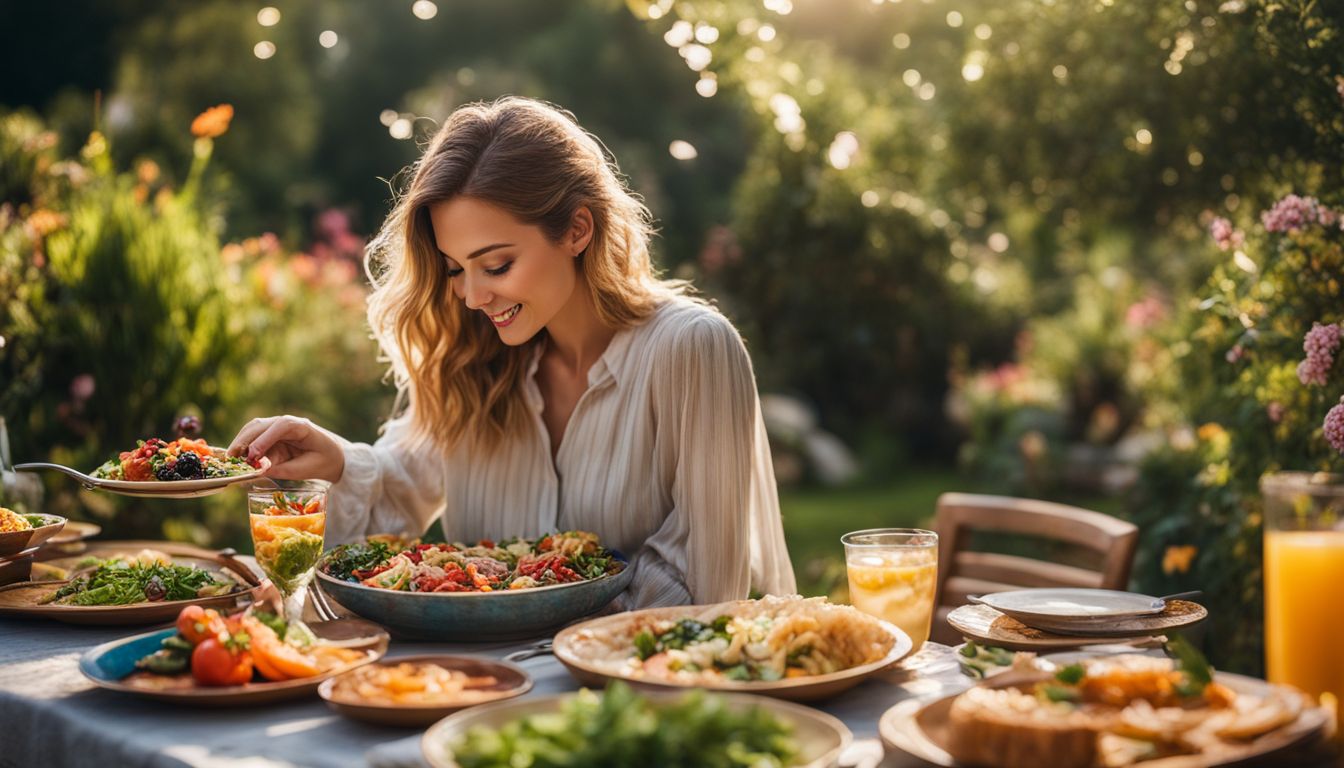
[51, 715]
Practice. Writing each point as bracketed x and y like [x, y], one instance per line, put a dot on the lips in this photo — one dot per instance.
[504, 318]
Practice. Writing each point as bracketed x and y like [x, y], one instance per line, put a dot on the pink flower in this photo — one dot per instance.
[1235, 353]
[1145, 313]
[1320, 344]
[82, 387]
[1224, 235]
[1293, 213]
[1334, 426]
[1275, 412]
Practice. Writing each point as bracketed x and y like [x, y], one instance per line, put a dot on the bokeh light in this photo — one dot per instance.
[682, 150]
[264, 50]
[268, 16]
[424, 9]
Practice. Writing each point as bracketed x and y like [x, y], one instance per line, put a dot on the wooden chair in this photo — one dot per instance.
[962, 572]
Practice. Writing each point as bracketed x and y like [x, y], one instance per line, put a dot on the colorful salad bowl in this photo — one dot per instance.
[478, 616]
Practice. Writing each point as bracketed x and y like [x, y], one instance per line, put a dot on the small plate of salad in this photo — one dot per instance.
[213, 659]
[174, 469]
[142, 583]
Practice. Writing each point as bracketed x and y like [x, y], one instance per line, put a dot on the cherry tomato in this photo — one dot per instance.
[195, 623]
[221, 662]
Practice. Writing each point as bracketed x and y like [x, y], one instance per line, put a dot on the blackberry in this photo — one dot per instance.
[166, 471]
[189, 466]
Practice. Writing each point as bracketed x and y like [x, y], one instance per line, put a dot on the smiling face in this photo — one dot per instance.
[505, 268]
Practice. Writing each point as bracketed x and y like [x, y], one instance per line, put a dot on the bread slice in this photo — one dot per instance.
[1007, 728]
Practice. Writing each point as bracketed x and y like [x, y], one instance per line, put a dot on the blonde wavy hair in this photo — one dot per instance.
[532, 159]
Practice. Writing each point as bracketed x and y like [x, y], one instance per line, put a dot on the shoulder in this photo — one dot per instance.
[683, 325]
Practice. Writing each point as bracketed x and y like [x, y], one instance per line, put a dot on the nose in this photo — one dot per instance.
[472, 292]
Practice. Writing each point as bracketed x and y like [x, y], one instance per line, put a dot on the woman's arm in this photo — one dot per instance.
[706, 403]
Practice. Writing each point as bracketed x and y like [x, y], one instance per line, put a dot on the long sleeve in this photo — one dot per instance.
[387, 487]
[723, 532]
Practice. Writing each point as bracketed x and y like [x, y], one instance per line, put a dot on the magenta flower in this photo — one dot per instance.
[1334, 426]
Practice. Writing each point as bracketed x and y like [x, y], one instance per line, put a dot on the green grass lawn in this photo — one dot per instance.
[815, 518]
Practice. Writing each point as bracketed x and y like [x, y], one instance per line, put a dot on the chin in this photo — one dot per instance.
[514, 336]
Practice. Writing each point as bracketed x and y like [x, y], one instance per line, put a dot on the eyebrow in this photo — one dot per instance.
[483, 250]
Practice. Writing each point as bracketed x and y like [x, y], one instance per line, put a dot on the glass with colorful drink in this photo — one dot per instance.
[288, 520]
[1304, 568]
[893, 575]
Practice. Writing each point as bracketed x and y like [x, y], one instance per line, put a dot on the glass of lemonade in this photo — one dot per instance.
[893, 575]
[288, 520]
[1304, 568]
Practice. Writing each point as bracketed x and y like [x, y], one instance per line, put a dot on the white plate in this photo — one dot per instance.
[1061, 605]
[820, 737]
[160, 489]
[178, 489]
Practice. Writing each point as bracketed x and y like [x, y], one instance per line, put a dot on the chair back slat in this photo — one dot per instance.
[1022, 571]
[962, 573]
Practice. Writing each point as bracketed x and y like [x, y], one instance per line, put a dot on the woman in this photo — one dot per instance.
[550, 380]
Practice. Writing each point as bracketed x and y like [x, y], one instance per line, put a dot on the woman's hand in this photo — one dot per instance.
[298, 448]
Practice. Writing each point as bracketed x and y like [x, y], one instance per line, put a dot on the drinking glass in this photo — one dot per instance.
[288, 520]
[1304, 568]
[893, 575]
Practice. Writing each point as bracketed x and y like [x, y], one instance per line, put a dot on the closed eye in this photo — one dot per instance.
[497, 271]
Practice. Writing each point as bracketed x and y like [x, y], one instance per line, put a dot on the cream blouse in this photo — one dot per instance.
[665, 458]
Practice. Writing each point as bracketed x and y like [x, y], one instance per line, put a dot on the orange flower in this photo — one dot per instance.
[43, 222]
[1177, 559]
[213, 122]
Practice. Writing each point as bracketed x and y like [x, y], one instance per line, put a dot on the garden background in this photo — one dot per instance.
[1060, 249]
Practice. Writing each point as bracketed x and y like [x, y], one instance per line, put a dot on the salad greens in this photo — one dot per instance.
[343, 561]
[620, 729]
[117, 582]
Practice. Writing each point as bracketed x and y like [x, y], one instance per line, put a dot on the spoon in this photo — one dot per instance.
[84, 480]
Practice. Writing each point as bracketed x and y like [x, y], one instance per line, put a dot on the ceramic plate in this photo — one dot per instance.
[510, 681]
[1177, 614]
[109, 664]
[478, 616]
[921, 730]
[1064, 604]
[821, 737]
[577, 648]
[24, 599]
[179, 489]
[74, 530]
[44, 527]
[989, 627]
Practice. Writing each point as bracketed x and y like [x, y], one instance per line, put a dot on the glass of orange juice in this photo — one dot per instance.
[893, 575]
[1304, 571]
[289, 521]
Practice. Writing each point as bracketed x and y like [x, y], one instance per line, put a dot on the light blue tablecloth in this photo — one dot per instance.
[50, 715]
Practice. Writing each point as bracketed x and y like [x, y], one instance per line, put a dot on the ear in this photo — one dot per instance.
[580, 232]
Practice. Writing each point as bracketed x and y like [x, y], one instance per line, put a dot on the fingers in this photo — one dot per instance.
[281, 429]
[304, 466]
[247, 434]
